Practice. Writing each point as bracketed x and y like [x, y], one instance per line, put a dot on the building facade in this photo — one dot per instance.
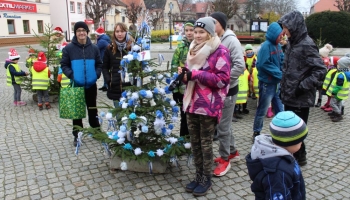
[23, 18]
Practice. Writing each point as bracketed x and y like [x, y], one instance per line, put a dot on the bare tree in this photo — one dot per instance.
[228, 7]
[280, 7]
[183, 3]
[343, 5]
[96, 9]
[156, 16]
[240, 25]
[133, 12]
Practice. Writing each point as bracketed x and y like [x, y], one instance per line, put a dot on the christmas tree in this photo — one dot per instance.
[141, 126]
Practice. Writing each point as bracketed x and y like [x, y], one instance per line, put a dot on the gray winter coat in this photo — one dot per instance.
[303, 69]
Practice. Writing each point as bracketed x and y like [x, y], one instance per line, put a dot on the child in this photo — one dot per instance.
[14, 77]
[332, 69]
[41, 80]
[250, 60]
[271, 166]
[31, 58]
[324, 53]
[339, 88]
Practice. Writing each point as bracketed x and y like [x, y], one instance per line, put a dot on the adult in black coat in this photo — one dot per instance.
[121, 45]
[303, 71]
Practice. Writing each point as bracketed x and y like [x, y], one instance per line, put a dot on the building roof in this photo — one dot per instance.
[155, 4]
[324, 5]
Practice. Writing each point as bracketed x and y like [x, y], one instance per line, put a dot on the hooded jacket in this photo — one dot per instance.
[81, 63]
[40, 66]
[230, 41]
[103, 42]
[274, 172]
[269, 63]
[303, 68]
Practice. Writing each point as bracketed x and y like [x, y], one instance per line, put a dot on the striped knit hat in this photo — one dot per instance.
[287, 129]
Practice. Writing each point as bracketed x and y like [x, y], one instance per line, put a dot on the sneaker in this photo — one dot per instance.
[40, 105]
[21, 103]
[222, 168]
[232, 157]
[329, 109]
[15, 103]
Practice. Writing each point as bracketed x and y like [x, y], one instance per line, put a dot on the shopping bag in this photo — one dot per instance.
[72, 102]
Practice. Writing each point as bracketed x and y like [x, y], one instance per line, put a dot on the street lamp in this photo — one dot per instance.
[169, 14]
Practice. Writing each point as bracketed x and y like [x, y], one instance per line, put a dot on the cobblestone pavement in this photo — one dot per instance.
[37, 159]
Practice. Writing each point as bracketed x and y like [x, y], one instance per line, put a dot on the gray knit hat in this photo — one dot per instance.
[208, 23]
[343, 64]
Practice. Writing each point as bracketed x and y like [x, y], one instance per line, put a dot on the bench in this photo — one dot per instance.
[246, 38]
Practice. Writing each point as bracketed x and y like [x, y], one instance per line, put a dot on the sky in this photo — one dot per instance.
[303, 5]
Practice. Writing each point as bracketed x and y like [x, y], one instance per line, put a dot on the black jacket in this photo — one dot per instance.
[111, 72]
[303, 69]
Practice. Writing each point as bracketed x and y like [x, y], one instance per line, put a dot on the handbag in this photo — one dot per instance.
[72, 103]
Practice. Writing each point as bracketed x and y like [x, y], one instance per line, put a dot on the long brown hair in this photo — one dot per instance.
[130, 38]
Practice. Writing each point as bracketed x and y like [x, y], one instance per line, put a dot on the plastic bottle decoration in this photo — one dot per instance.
[79, 143]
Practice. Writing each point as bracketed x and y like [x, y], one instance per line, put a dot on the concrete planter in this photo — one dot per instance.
[159, 167]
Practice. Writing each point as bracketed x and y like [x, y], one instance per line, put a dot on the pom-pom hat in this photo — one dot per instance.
[13, 55]
[100, 31]
[324, 51]
[288, 129]
[58, 30]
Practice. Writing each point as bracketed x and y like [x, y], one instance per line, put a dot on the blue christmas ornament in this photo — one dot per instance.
[124, 94]
[168, 80]
[132, 116]
[167, 99]
[122, 62]
[120, 103]
[156, 91]
[135, 55]
[151, 154]
[139, 40]
[144, 129]
[102, 114]
[130, 102]
[122, 128]
[115, 137]
[127, 146]
[171, 126]
[175, 109]
[109, 133]
[163, 130]
[175, 76]
[147, 47]
[143, 93]
[159, 114]
[166, 89]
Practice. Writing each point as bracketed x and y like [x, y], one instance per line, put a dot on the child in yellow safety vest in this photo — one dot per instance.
[242, 95]
[250, 60]
[339, 88]
[14, 77]
[31, 58]
[41, 80]
[332, 69]
[61, 78]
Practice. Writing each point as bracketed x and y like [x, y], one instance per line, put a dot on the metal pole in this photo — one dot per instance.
[170, 37]
[250, 23]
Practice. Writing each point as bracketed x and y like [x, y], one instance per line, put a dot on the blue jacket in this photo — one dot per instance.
[270, 60]
[81, 63]
[274, 172]
[102, 43]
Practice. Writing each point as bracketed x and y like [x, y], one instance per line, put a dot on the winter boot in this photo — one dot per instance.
[254, 135]
[342, 110]
[203, 187]
[40, 105]
[329, 109]
[326, 105]
[269, 113]
[337, 117]
[48, 106]
[318, 103]
[192, 185]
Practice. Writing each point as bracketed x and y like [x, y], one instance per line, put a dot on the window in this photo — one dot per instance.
[71, 7]
[40, 26]
[123, 19]
[26, 28]
[79, 8]
[11, 26]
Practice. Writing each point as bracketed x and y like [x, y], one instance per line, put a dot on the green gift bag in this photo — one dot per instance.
[72, 103]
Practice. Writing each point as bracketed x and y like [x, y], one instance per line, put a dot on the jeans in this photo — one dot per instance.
[17, 92]
[43, 95]
[268, 93]
[336, 105]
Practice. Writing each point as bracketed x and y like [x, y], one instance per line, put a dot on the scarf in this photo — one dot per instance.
[196, 61]
[121, 45]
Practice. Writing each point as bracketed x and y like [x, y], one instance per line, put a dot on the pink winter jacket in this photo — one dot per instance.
[212, 84]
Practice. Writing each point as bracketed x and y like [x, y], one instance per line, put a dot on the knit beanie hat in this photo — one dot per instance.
[221, 18]
[248, 47]
[189, 23]
[208, 23]
[343, 64]
[80, 25]
[324, 51]
[287, 129]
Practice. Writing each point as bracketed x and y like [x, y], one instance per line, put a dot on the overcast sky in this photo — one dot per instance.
[303, 5]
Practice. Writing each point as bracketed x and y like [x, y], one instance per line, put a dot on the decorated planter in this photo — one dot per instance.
[158, 166]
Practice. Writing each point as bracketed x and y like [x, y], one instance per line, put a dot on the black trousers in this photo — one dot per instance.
[90, 99]
[303, 113]
[178, 97]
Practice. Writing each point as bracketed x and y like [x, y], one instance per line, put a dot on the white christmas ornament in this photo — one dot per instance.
[149, 94]
[143, 119]
[129, 57]
[152, 102]
[161, 91]
[109, 115]
[121, 134]
[137, 133]
[136, 48]
[160, 152]
[137, 151]
[121, 140]
[187, 145]
[125, 119]
[123, 166]
[158, 131]
[128, 94]
[122, 99]
[124, 105]
[135, 95]
[160, 76]
[172, 140]
[172, 103]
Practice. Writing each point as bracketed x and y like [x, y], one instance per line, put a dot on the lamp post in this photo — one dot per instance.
[169, 14]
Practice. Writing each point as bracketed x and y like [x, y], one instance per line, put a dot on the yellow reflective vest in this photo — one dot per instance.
[65, 81]
[243, 87]
[255, 82]
[344, 92]
[328, 78]
[18, 79]
[40, 80]
[249, 62]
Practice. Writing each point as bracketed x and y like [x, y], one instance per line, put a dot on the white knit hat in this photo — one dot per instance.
[324, 51]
